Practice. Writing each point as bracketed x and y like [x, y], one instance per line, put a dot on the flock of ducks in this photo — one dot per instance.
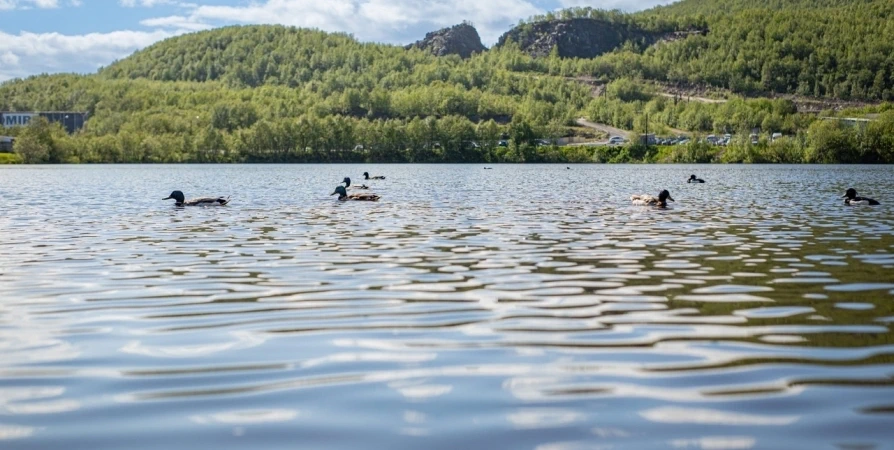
[850, 197]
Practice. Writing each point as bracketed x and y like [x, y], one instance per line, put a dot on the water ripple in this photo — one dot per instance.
[467, 306]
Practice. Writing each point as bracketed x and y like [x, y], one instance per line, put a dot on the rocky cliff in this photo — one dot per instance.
[462, 40]
[574, 38]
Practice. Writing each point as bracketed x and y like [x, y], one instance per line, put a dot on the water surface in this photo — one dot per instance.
[525, 307]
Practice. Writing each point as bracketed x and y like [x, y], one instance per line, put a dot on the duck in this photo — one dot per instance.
[347, 182]
[693, 179]
[850, 198]
[367, 177]
[360, 196]
[180, 200]
[649, 200]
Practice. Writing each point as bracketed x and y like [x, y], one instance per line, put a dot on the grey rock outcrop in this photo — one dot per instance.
[574, 38]
[462, 40]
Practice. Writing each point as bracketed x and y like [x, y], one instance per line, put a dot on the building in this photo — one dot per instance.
[70, 120]
[858, 122]
[6, 144]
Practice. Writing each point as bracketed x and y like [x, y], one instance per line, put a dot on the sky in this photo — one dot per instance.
[51, 36]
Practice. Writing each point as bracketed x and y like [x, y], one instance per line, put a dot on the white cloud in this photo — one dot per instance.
[175, 22]
[624, 5]
[31, 4]
[397, 21]
[27, 4]
[32, 53]
[143, 3]
[153, 3]
[9, 59]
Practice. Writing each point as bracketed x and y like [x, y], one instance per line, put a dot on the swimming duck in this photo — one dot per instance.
[693, 179]
[850, 198]
[367, 177]
[649, 200]
[347, 182]
[364, 196]
[180, 200]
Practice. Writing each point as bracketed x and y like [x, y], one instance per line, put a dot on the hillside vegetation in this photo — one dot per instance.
[273, 93]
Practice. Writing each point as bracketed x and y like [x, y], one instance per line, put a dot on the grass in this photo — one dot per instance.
[10, 158]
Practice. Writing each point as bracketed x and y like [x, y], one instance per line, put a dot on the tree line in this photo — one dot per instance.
[272, 93]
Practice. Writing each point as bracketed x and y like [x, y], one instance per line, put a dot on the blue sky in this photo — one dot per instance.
[49, 36]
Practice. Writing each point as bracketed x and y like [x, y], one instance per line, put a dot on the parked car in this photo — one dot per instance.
[616, 140]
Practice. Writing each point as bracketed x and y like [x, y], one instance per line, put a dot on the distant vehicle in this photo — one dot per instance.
[503, 143]
[775, 136]
[616, 140]
[543, 142]
[754, 138]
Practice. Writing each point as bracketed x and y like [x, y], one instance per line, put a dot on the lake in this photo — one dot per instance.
[524, 307]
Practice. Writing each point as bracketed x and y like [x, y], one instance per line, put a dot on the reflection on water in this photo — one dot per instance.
[521, 307]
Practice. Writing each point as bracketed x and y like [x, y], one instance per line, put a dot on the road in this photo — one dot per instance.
[695, 99]
[612, 131]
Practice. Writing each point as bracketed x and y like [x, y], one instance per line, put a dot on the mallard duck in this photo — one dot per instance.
[367, 177]
[693, 179]
[180, 200]
[347, 182]
[850, 198]
[649, 200]
[361, 196]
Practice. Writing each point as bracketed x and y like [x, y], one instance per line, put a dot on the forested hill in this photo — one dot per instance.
[264, 54]
[825, 48]
[841, 49]
[725, 7]
[274, 93]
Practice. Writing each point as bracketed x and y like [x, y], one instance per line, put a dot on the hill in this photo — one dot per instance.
[462, 40]
[581, 37]
[822, 48]
[726, 7]
[273, 93]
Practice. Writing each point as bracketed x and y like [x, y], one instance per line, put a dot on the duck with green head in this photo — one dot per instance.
[358, 196]
[651, 200]
[180, 200]
[347, 182]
